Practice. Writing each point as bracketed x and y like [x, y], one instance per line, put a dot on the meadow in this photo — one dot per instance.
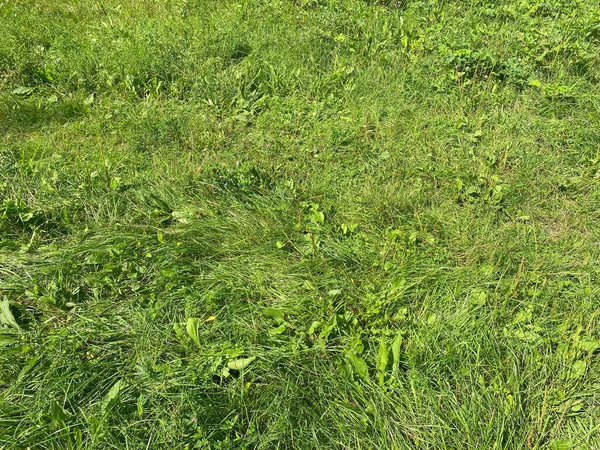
[309, 224]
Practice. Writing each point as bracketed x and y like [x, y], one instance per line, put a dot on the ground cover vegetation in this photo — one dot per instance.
[299, 224]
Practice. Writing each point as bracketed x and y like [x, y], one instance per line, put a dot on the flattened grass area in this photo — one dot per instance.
[299, 224]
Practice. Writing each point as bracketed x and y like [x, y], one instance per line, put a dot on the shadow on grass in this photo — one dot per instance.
[33, 113]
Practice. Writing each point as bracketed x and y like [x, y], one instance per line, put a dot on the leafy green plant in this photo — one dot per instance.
[299, 224]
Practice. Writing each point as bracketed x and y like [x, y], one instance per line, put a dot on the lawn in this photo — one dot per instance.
[309, 224]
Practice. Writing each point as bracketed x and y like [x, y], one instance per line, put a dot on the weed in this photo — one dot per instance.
[308, 224]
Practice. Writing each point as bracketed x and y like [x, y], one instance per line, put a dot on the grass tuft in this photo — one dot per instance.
[299, 224]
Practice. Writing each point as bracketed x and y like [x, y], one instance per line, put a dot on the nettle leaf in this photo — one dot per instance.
[192, 325]
[240, 364]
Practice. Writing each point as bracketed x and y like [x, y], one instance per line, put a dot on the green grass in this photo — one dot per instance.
[301, 224]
